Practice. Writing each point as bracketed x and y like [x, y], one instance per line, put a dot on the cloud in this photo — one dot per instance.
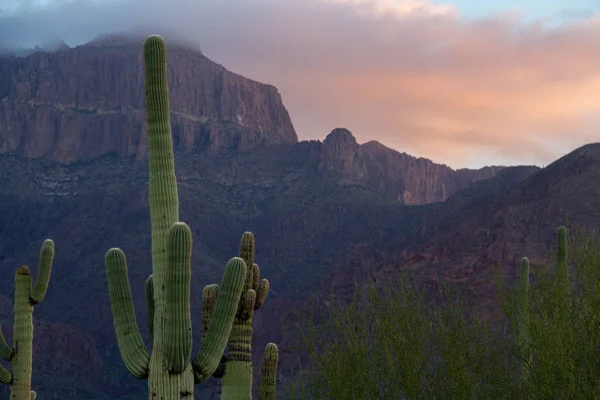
[413, 75]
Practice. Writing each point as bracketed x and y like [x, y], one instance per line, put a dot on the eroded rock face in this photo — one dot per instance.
[81, 103]
[409, 179]
[340, 153]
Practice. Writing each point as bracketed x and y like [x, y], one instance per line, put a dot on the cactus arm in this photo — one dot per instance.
[247, 254]
[248, 305]
[211, 350]
[255, 275]
[6, 352]
[178, 320]
[33, 395]
[261, 287]
[149, 288]
[44, 270]
[5, 376]
[268, 373]
[209, 296]
[132, 349]
[523, 334]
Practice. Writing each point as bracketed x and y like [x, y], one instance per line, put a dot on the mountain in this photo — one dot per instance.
[78, 104]
[493, 222]
[73, 169]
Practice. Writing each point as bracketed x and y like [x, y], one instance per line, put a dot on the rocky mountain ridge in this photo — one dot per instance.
[81, 103]
[77, 104]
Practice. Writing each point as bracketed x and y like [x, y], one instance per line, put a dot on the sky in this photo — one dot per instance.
[465, 83]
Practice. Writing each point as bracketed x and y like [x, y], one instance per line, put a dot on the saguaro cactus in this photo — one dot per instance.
[168, 369]
[268, 381]
[268, 373]
[523, 332]
[237, 372]
[563, 301]
[562, 271]
[21, 354]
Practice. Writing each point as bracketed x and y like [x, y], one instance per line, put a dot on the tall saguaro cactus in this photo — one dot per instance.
[21, 354]
[170, 372]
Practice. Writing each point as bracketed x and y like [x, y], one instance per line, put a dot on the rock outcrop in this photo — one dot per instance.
[81, 103]
[409, 179]
[340, 153]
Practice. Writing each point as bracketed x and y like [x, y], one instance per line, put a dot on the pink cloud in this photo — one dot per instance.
[415, 76]
[456, 91]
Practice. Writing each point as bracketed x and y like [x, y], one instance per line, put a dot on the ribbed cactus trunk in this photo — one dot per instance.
[21, 354]
[169, 369]
[164, 212]
[22, 336]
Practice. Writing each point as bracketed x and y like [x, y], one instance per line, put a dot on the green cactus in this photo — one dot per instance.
[237, 372]
[562, 271]
[523, 333]
[26, 297]
[268, 373]
[564, 298]
[170, 372]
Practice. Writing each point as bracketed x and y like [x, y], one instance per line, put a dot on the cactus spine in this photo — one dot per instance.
[237, 372]
[26, 297]
[169, 369]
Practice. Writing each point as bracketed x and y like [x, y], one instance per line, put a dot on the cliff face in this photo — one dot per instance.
[408, 179]
[81, 103]
[340, 153]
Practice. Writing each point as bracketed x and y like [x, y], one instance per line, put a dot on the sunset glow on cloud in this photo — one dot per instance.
[417, 76]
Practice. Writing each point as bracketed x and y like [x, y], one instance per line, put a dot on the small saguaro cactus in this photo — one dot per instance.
[169, 369]
[21, 354]
[523, 332]
[564, 299]
[236, 374]
[562, 270]
[268, 373]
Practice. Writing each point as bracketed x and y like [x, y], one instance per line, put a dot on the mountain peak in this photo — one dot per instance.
[340, 153]
[340, 135]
